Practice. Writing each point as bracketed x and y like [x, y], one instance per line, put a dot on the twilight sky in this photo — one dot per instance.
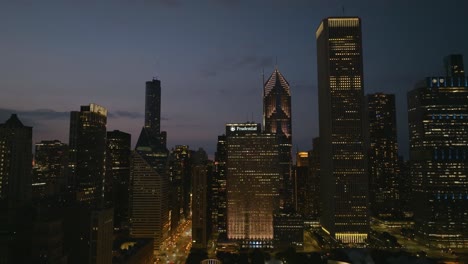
[209, 55]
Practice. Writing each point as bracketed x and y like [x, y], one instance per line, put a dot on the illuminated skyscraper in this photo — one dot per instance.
[149, 212]
[301, 175]
[179, 177]
[88, 154]
[253, 180]
[219, 216]
[88, 223]
[438, 126]
[383, 155]
[343, 152]
[118, 174]
[277, 120]
[50, 164]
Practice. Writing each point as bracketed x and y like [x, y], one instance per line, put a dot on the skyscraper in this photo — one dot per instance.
[219, 215]
[15, 163]
[252, 182]
[149, 212]
[312, 204]
[343, 152]
[200, 173]
[301, 175]
[88, 222]
[151, 143]
[179, 175]
[438, 126]
[50, 165]
[15, 191]
[383, 155]
[118, 175]
[277, 120]
[153, 106]
[454, 65]
[88, 154]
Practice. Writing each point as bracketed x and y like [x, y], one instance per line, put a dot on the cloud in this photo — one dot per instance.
[250, 62]
[33, 116]
[125, 114]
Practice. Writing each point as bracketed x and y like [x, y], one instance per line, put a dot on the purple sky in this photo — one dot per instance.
[209, 55]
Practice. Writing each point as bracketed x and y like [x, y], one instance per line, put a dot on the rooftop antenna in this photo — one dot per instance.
[276, 62]
[343, 9]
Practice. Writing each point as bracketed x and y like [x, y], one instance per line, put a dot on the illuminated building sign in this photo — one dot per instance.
[242, 128]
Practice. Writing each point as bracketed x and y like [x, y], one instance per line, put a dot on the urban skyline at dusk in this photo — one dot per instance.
[229, 131]
[58, 56]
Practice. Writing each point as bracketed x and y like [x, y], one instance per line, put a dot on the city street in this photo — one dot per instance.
[176, 248]
[413, 246]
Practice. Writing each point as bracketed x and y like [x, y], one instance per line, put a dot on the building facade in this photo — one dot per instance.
[277, 120]
[15, 191]
[50, 166]
[252, 182]
[88, 154]
[312, 205]
[200, 217]
[149, 212]
[438, 126]
[219, 206]
[15, 162]
[343, 150]
[383, 156]
[118, 175]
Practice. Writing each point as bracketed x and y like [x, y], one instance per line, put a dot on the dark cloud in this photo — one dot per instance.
[250, 62]
[49, 114]
[125, 114]
[32, 116]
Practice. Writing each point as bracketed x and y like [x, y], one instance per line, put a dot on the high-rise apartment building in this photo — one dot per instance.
[118, 175]
[253, 180]
[383, 156]
[277, 120]
[50, 166]
[438, 126]
[149, 212]
[343, 151]
[88, 154]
